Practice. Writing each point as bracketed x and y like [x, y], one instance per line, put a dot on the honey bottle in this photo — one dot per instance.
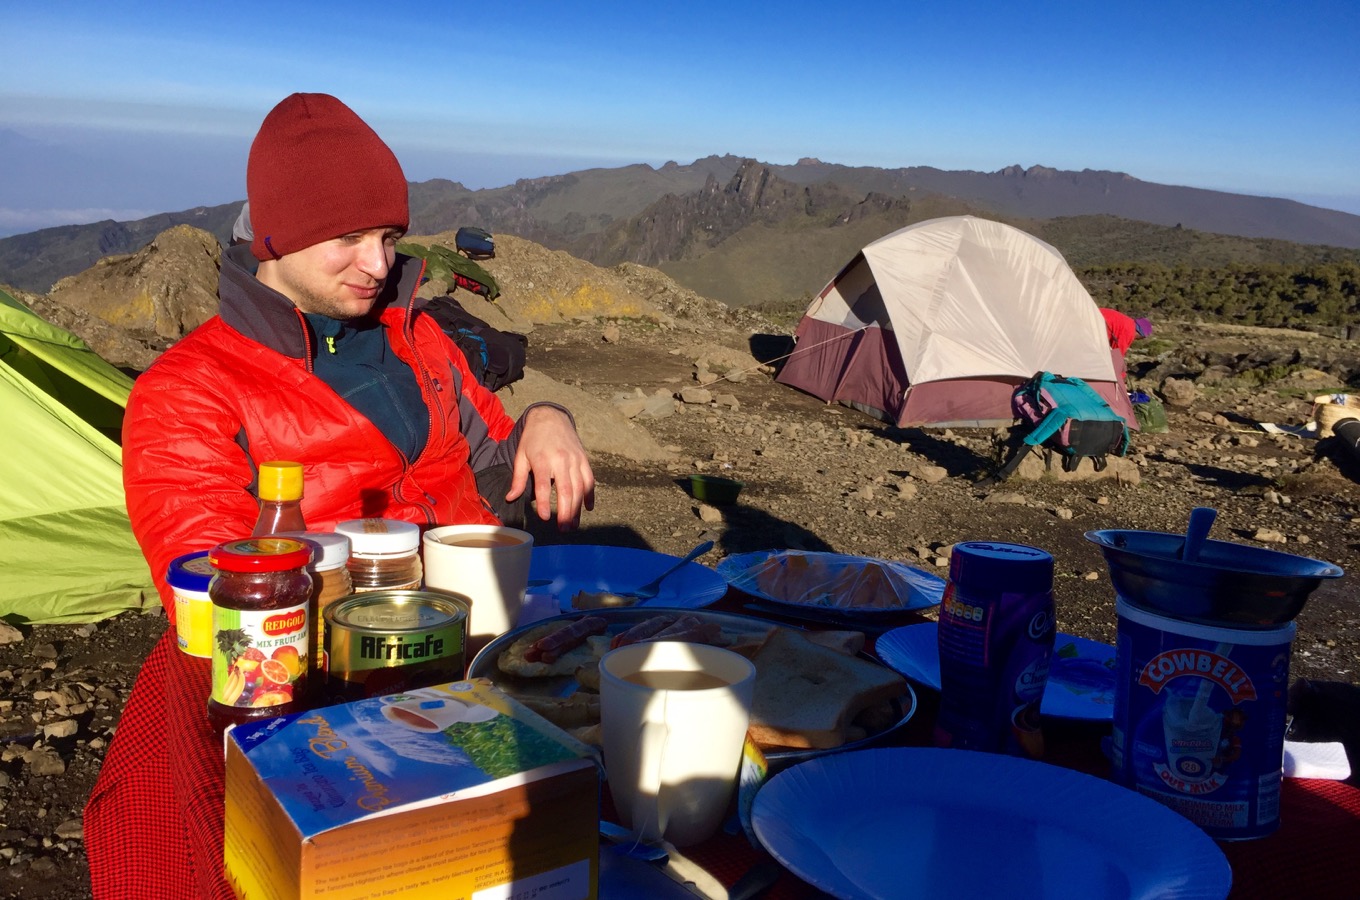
[280, 493]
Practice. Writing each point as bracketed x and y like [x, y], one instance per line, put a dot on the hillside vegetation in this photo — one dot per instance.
[1319, 296]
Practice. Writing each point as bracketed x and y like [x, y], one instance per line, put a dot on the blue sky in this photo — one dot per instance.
[122, 109]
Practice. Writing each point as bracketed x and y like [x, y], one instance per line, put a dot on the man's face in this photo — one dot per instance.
[340, 278]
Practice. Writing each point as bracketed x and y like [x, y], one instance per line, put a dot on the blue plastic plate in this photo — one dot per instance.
[922, 822]
[561, 570]
[811, 599]
[1081, 678]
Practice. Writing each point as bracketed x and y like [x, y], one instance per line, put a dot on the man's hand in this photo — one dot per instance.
[551, 451]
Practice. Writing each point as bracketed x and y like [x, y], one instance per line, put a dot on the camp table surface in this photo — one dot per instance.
[1312, 855]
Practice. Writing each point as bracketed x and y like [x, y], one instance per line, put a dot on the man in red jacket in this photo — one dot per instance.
[1124, 330]
[319, 354]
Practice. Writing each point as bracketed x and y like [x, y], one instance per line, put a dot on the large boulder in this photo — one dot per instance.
[1037, 467]
[130, 308]
[1179, 392]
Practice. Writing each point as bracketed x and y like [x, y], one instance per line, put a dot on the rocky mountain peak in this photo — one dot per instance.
[677, 227]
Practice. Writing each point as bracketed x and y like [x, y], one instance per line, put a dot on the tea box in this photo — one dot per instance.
[453, 790]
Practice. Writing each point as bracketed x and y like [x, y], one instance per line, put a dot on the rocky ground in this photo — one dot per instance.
[817, 477]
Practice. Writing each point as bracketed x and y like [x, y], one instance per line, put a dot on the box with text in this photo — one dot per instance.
[450, 791]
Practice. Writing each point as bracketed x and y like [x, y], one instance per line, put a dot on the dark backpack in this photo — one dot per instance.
[1067, 416]
[474, 243]
[495, 357]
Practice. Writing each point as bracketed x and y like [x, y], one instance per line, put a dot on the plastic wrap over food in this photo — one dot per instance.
[832, 581]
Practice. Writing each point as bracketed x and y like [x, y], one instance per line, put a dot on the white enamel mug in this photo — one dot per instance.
[674, 719]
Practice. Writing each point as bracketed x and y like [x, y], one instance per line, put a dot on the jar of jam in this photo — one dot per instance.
[260, 592]
[384, 554]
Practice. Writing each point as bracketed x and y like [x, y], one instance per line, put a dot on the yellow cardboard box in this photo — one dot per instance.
[455, 791]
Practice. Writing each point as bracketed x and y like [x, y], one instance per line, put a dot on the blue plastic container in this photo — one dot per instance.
[1202, 654]
[1199, 719]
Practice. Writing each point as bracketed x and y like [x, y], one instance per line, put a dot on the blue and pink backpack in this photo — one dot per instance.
[1067, 416]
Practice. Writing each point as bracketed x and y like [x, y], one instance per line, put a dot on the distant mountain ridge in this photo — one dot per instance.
[1040, 192]
[720, 218]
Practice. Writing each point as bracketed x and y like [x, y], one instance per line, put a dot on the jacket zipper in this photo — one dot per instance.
[306, 341]
[409, 332]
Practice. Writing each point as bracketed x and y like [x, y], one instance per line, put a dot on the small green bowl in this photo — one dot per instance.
[715, 490]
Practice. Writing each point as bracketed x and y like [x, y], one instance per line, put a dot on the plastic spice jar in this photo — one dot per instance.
[384, 554]
[260, 593]
[188, 576]
[330, 582]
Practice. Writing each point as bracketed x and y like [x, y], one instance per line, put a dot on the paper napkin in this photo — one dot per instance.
[1322, 759]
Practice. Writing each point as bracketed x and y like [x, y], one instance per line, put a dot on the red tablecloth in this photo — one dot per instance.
[154, 825]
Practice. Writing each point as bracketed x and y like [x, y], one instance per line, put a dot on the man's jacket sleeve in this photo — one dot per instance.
[185, 477]
[492, 436]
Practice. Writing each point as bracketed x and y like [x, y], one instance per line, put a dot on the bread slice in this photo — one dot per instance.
[806, 694]
[847, 642]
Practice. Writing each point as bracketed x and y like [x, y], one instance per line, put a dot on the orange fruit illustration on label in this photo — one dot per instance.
[288, 655]
[274, 673]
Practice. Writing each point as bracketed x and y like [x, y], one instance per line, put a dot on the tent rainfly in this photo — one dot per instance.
[935, 325]
[67, 553]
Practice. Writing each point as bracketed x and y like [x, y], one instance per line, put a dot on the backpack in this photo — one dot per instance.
[459, 271]
[495, 357]
[474, 243]
[1068, 417]
[1149, 412]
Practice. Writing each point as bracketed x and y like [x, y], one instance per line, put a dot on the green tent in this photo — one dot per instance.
[66, 548]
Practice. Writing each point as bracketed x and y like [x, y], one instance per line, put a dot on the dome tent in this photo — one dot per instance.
[936, 324]
[67, 553]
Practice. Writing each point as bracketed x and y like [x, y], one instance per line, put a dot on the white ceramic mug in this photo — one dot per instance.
[488, 564]
[674, 718]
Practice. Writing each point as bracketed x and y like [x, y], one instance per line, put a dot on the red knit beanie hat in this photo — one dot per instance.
[316, 172]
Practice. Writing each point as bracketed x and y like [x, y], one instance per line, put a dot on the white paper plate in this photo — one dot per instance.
[1081, 678]
[921, 822]
[561, 570]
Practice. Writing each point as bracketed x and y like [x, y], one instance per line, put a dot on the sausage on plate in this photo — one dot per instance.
[641, 631]
[552, 645]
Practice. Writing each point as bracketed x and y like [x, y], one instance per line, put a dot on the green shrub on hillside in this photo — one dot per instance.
[1278, 296]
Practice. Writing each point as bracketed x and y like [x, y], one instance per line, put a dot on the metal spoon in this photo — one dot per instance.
[639, 596]
[653, 587]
